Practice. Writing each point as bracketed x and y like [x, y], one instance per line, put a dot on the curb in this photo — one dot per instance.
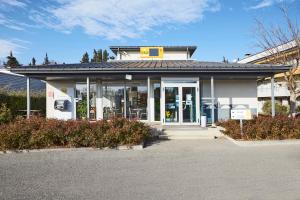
[122, 147]
[263, 142]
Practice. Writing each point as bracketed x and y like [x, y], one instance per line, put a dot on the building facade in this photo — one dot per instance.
[288, 52]
[157, 84]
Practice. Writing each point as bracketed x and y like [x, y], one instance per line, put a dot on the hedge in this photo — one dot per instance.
[16, 100]
[37, 133]
[264, 128]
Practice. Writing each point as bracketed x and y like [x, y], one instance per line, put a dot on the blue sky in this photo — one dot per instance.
[65, 29]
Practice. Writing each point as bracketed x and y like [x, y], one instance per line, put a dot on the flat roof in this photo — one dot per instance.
[146, 67]
[266, 53]
[191, 49]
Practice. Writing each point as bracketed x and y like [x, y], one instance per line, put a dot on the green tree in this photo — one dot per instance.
[33, 61]
[12, 61]
[94, 59]
[105, 56]
[279, 109]
[46, 60]
[85, 58]
[99, 55]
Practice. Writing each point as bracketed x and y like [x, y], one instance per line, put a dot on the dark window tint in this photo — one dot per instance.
[153, 52]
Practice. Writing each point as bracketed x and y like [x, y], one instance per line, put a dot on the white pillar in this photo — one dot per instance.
[212, 93]
[125, 101]
[28, 97]
[99, 101]
[88, 98]
[148, 98]
[272, 96]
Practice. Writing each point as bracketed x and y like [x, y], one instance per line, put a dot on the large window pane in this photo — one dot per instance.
[156, 88]
[136, 96]
[113, 101]
[81, 104]
[171, 104]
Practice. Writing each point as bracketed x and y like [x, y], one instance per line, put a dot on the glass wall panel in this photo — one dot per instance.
[171, 104]
[113, 101]
[81, 103]
[189, 104]
[156, 88]
[136, 101]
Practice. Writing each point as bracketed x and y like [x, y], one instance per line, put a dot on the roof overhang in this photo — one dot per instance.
[150, 68]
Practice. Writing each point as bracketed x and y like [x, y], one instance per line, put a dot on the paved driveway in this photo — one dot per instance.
[181, 169]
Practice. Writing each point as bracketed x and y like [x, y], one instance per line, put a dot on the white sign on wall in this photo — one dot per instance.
[242, 114]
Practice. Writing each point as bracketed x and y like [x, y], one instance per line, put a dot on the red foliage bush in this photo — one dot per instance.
[264, 128]
[36, 133]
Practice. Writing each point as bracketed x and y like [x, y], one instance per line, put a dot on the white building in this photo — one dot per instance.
[290, 52]
[154, 84]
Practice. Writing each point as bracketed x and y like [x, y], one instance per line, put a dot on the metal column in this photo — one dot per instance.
[272, 96]
[88, 98]
[28, 97]
[212, 93]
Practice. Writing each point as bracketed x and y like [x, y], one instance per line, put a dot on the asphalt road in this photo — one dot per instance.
[181, 169]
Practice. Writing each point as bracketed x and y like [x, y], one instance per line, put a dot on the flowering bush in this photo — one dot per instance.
[36, 133]
[264, 128]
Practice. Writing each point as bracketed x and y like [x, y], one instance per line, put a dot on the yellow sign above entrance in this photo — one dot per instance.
[151, 52]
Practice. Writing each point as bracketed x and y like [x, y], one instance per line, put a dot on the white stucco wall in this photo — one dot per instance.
[238, 93]
[55, 91]
[168, 55]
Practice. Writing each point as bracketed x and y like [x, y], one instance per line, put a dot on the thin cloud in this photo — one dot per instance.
[14, 45]
[14, 3]
[117, 19]
[267, 3]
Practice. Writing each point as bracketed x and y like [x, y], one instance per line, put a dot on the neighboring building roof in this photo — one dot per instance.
[14, 81]
[267, 53]
[148, 67]
[191, 49]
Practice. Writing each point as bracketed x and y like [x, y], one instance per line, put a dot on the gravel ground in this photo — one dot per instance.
[178, 169]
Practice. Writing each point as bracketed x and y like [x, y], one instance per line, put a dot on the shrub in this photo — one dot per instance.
[279, 109]
[5, 114]
[264, 128]
[298, 109]
[36, 133]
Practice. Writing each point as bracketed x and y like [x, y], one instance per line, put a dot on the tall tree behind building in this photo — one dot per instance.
[105, 56]
[85, 58]
[46, 60]
[11, 61]
[33, 61]
[271, 39]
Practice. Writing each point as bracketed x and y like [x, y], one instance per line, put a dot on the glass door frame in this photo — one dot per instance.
[180, 83]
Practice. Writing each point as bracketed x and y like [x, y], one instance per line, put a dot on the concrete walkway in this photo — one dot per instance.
[178, 169]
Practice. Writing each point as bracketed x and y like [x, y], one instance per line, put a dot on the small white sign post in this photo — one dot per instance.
[242, 114]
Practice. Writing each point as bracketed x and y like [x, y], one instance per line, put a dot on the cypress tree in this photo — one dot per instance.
[33, 61]
[105, 56]
[99, 56]
[46, 60]
[94, 59]
[12, 61]
[85, 58]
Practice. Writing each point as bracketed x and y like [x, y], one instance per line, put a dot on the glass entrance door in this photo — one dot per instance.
[188, 105]
[181, 104]
[172, 104]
